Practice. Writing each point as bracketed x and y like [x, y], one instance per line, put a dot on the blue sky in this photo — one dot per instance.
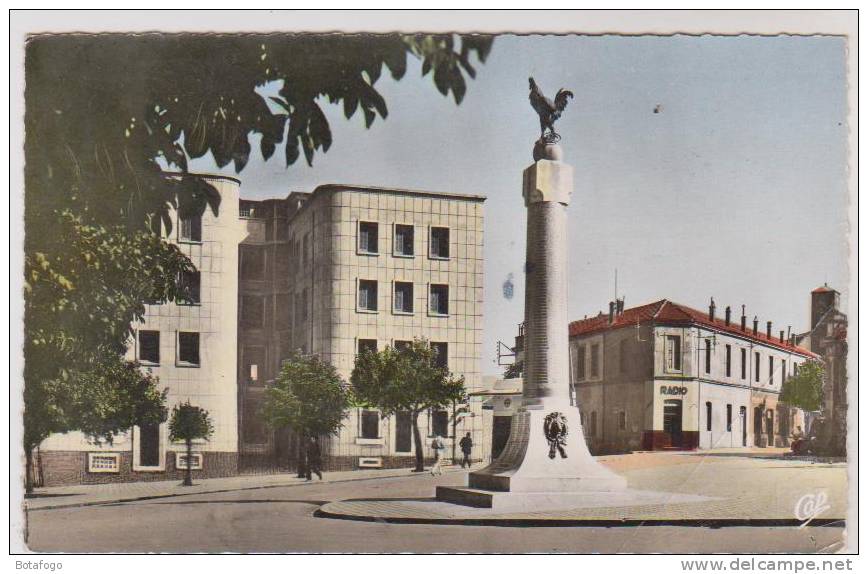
[736, 189]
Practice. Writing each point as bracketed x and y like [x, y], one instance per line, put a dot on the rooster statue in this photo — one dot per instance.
[549, 112]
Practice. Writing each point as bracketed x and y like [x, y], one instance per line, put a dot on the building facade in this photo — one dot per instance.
[664, 375]
[330, 272]
[828, 339]
[191, 347]
[347, 268]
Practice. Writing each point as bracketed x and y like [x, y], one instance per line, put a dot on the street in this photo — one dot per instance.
[281, 518]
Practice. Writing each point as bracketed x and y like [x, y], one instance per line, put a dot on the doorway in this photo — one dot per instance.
[672, 410]
[403, 432]
[499, 435]
[758, 426]
[770, 427]
[742, 417]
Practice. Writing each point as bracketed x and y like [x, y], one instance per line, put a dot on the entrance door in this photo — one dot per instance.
[742, 417]
[758, 426]
[672, 421]
[770, 427]
[149, 445]
[403, 432]
[499, 435]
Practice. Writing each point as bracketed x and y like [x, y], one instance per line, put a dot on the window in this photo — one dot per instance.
[181, 461]
[756, 360]
[622, 420]
[783, 371]
[708, 355]
[622, 356]
[190, 282]
[441, 355]
[254, 363]
[708, 415]
[149, 347]
[402, 345]
[282, 263]
[403, 297]
[370, 423]
[252, 263]
[729, 360]
[188, 348]
[673, 353]
[744, 363]
[595, 360]
[440, 243]
[305, 248]
[367, 237]
[305, 306]
[191, 228]
[252, 311]
[367, 295]
[771, 369]
[103, 462]
[728, 418]
[439, 300]
[404, 240]
[367, 345]
[149, 445]
[440, 423]
[580, 363]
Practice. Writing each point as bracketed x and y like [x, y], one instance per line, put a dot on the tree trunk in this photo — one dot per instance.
[417, 441]
[28, 471]
[302, 457]
[188, 477]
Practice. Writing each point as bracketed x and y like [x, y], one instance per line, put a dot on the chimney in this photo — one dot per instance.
[611, 311]
[782, 335]
[755, 324]
[711, 310]
[743, 319]
[620, 306]
[728, 315]
[789, 328]
[768, 330]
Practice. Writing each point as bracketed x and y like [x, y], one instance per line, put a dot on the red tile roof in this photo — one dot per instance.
[668, 312]
[823, 289]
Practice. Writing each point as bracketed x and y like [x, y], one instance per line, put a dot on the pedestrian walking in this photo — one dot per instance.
[314, 459]
[438, 446]
[466, 445]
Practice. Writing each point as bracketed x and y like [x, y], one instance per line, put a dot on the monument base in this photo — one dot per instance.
[545, 459]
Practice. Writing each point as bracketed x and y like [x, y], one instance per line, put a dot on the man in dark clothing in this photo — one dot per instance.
[314, 459]
[466, 445]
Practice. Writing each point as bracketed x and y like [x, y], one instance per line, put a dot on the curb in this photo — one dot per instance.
[588, 523]
[220, 491]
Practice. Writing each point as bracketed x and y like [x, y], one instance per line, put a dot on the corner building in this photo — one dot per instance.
[347, 268]
[666, 376]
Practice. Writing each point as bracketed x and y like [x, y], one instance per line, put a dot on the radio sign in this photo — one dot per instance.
[673, 390]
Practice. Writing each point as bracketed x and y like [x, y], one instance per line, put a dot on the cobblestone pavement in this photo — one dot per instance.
[261, 516]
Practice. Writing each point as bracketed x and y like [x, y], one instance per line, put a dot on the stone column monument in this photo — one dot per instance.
[545, 456]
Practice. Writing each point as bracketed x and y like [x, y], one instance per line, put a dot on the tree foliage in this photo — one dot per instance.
[805, 389]
[408, 380]
[188, 423]
[308, 396]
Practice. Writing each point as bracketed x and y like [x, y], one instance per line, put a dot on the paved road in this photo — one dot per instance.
[281, 520]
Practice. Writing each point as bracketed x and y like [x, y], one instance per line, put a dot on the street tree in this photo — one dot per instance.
[308, 397]
[406, 380]
[109, 116]
[805, 389]
[189, 423]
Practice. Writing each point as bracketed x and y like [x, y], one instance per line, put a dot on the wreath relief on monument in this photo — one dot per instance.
[556, 431]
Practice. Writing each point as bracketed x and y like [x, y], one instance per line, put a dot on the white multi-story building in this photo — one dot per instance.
[664, 375]
[329, 272]
[191, 347]
[347, 268]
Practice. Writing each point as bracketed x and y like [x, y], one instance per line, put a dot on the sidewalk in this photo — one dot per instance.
[93, 494]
